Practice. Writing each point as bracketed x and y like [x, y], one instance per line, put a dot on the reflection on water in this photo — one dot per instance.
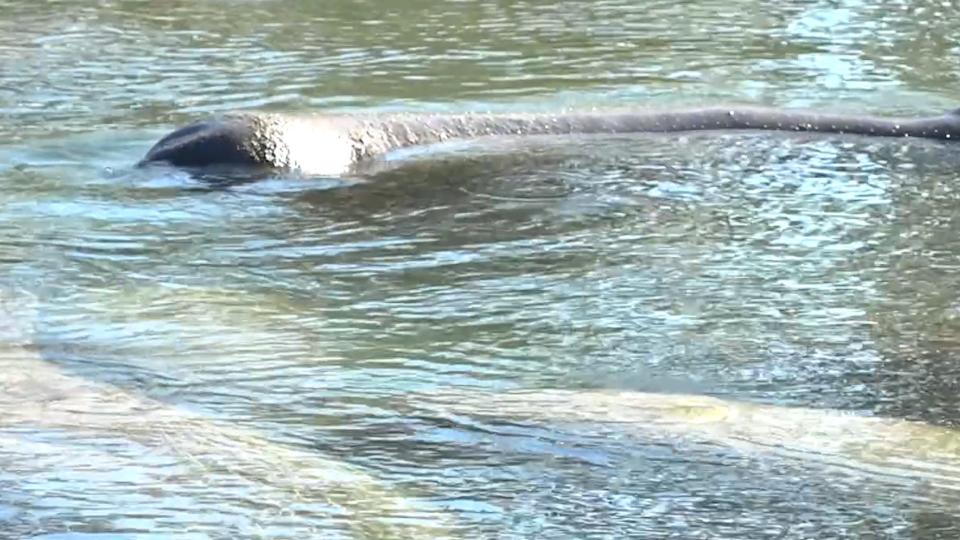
[495, 339]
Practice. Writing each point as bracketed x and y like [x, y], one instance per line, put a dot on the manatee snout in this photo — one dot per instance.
[215, 140]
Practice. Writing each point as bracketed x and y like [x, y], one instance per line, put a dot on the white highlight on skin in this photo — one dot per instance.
[317, 149]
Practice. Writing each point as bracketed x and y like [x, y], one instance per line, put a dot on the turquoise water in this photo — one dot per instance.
[303, 358]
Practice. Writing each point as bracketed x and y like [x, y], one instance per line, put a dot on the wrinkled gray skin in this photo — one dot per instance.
[335, 144]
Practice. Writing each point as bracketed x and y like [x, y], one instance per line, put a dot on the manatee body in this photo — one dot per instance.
[334, 144]
[879, 448]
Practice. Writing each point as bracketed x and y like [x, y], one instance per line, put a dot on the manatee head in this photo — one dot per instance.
[318, 145]
[222, 140]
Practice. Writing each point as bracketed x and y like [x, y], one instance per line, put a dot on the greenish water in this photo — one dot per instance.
[308, 359]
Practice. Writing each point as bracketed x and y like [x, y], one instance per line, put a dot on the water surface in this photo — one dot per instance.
[348, 329]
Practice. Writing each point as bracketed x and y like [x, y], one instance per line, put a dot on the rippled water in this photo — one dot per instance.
[432, 353]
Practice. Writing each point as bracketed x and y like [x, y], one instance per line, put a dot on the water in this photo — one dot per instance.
[316, 358]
